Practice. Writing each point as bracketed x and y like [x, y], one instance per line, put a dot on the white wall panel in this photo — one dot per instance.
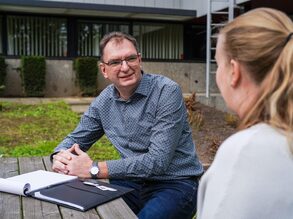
[199, 5]
[172, 4]
[150, 3]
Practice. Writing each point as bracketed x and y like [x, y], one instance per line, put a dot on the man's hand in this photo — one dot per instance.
[77, 163]
[80, 164]
[61, 159]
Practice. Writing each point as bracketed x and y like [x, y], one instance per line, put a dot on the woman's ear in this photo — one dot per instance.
[236, 73]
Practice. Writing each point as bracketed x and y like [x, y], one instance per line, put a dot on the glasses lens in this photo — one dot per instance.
[131, 60]
[114, 63]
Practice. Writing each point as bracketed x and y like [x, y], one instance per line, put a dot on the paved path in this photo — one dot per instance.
[78, 104]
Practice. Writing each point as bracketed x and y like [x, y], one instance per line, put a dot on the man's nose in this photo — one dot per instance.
[124, 65]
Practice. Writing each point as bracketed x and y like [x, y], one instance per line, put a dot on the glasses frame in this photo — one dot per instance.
[111, 65]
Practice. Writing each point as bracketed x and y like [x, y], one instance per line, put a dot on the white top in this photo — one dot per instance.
[251, 177]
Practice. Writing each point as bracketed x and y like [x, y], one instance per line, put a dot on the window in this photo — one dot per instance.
[1, 32]
[37, 36]
[159, 41]
[48, 36]
[90, 34]
[195, 42]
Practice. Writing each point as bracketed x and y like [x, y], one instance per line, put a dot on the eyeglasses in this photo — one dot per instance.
[130, 61]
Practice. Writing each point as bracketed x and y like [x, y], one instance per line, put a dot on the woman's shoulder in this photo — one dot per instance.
[258, 141]
[258, 134]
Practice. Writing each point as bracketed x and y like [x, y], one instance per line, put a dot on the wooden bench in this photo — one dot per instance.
[14, 206]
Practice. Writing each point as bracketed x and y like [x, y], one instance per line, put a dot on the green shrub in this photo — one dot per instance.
[2, 73]
[33, 75]
[86, 75]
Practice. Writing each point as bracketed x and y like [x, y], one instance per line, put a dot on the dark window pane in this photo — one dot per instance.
[90, 34]
[36, 36]
[159, 41]
[1, 32]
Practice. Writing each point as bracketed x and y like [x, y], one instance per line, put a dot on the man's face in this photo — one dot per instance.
[124, 75]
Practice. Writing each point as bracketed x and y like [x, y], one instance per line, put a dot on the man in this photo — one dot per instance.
[144, 116]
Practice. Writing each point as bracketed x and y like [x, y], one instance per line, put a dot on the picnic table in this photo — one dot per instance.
[14, 206]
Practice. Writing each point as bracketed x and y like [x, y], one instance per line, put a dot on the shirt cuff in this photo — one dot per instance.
[51, 156]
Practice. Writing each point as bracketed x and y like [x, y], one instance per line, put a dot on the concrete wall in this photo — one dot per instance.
[190, 76]
[61, 80]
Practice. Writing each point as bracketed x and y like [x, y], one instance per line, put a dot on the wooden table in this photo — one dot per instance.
[14, 206]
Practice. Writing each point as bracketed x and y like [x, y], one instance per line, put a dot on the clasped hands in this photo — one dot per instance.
[72, 161]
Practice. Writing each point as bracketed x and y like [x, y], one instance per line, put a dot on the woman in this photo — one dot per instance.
[252, 174]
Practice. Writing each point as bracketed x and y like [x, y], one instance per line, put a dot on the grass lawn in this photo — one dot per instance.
[35, 130]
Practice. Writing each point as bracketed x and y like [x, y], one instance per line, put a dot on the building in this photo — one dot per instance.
[171, 35]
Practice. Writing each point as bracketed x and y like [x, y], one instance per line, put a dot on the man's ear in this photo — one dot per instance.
[103, 70]
[236, 73]
[139, 58]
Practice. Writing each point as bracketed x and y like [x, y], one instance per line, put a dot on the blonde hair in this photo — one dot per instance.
[259, 40]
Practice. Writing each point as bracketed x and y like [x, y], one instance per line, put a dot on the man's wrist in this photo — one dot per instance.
[94, 170]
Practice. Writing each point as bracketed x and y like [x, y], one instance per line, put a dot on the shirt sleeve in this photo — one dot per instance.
[88, 131]
[170, 116]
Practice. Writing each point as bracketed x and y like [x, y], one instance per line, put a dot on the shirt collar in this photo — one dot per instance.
[142, 89]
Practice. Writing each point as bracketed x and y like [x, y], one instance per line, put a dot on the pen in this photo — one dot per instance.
[104, 188]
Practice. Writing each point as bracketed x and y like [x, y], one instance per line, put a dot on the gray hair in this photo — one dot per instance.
[118, 37]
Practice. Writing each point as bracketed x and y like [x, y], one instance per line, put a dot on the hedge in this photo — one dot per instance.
[86, 74]
[2, 74]
[33, 75]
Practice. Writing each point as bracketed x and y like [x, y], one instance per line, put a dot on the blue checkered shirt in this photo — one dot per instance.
[150, 131]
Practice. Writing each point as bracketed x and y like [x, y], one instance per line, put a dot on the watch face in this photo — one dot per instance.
[94, 170]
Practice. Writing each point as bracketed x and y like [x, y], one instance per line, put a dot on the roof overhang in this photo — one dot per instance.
[97, 10]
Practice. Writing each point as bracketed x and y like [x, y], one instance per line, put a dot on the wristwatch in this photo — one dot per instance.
[94, 171]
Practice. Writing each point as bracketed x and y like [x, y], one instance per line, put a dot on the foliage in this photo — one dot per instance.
[86, 74]
[35, 130]
[195, 116]
[231, 120]
[33, 75]
[103, 150]
[3, 66]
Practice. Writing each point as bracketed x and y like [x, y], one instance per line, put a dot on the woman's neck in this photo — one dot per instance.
[246, 100]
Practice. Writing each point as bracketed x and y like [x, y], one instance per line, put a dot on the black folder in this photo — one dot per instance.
[77, 195]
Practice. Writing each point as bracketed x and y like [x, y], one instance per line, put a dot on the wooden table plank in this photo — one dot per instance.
[33, 208]
[9, 204]
[14, 207]
[117, 209]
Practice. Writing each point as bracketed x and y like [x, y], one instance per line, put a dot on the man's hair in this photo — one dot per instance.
[260, 40]
[118, 37]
